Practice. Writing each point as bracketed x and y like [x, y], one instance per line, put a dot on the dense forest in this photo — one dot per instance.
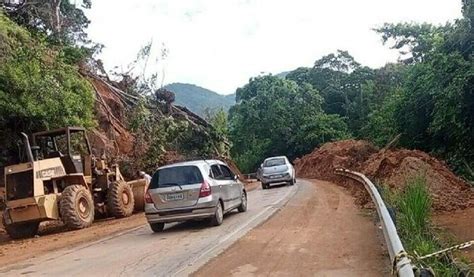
[427, 99]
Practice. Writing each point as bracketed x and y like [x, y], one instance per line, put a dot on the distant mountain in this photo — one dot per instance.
[198, 99]
[283, 74]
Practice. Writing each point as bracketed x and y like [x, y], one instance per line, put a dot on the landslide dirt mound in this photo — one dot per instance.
[390, 167]
[322, 162]
[394, 167]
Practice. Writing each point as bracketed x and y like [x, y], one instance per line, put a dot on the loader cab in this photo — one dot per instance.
[69, 144]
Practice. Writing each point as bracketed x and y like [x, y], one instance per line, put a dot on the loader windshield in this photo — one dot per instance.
[51, 147]
[60, 143]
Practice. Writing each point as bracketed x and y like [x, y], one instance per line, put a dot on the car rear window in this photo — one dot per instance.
[274, 162]
[176, 176]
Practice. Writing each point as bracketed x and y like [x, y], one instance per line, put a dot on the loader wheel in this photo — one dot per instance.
[76, 207]
[21, 230]
[120, 200]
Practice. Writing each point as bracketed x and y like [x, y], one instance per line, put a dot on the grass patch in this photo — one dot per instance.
[412, 207]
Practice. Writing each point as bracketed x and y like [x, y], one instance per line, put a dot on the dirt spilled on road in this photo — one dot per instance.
[389, 167]
[55, 237]
[320, 232]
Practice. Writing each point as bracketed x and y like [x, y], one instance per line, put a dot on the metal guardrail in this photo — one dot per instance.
[401, 264]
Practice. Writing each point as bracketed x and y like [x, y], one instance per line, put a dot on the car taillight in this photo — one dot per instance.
[205, 189]
[148, 199]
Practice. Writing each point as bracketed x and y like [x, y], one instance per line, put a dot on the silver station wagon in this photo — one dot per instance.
[277, 170]
[203, 189]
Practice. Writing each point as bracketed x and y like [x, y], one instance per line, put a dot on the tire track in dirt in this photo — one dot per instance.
[319, 232]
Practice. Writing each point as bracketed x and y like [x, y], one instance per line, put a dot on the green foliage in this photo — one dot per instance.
[157, 134]
[344, 85]
[318, 130]
[275, 116]
[434, 108]
[218, 121]
[412, 206]
[37, 89]
[428, 98]
[58, 20]
[342, 62]
[412, 40]
[74, 55]
[220, 131]
[381, 125]
[11, 36]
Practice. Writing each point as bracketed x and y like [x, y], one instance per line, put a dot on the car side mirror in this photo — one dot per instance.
[236, 177]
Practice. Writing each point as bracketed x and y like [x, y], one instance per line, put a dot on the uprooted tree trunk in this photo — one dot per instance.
[56, 21]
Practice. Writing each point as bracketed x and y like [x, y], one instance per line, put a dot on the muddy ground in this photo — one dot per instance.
[459, 224]
[58, 237]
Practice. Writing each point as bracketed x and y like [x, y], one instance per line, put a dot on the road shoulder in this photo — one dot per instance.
[319, 232]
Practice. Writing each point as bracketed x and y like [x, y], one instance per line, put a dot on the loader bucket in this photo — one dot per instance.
[138, 187]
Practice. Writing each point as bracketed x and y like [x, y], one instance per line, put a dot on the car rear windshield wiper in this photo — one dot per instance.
[171, 185]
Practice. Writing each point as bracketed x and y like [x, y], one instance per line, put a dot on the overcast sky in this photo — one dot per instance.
[220, 44]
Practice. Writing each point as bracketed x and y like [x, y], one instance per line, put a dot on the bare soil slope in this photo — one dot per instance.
[390, 167]
[461, 225]
[393, 167]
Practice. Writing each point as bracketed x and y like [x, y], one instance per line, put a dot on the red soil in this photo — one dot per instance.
[390, 167]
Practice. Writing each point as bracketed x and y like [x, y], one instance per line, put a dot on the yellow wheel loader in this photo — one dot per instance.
[60, 179]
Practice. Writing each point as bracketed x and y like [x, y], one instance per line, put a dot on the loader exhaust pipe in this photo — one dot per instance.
[26, 141]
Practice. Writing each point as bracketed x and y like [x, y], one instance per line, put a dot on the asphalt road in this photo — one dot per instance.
[180, 250]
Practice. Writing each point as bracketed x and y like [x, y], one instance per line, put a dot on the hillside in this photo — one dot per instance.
[42, 87]
[198, 99]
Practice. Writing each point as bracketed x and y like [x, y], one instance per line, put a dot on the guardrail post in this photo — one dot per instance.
[401, 264]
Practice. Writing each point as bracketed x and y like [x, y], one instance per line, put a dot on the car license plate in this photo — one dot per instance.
[174, 196]
[275, 176]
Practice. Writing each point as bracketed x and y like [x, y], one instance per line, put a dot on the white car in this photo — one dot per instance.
[277, 170]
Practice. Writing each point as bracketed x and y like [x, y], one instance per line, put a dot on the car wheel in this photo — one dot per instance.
[243, 205]
[264, 186]
[157, 227]
[292, 182]
[218, 216]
